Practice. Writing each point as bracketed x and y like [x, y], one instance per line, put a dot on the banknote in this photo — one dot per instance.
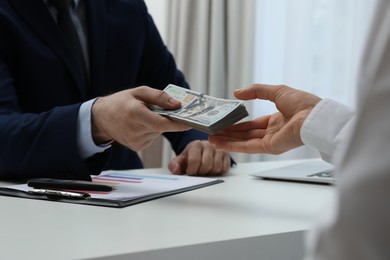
[206, 113]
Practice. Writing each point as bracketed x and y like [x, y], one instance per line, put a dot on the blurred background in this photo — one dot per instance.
[223, 45]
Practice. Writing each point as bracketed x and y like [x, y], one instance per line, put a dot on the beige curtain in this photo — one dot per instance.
[212, 41]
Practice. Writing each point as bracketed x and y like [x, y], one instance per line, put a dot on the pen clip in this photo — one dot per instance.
[59, 194]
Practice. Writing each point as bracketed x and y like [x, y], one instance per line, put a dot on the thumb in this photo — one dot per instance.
[258, 91]
[178, 165]
[156, 97]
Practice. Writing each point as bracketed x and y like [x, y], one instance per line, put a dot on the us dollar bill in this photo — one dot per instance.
[206, 113]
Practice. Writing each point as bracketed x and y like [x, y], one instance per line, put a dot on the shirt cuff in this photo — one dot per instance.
[326, 127]
[86, 145]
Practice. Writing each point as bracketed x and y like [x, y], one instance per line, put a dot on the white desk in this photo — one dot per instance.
[242, 218]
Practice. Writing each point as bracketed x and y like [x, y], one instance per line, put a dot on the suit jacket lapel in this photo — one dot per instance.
[96, 22]
[36, 14]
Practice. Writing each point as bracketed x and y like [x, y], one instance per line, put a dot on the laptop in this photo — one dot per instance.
[307, 171]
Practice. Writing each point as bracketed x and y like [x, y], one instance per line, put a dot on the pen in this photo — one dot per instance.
[57, 194]
[58, 184]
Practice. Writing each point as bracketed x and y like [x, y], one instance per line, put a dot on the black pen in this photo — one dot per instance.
[59, 184]
[58, 194]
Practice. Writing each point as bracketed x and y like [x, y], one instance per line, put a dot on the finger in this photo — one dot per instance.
[156, 97]
[207, 159]
[241, 136]
[194, 158]
[217, 163]
[163, 124]
[177, 164]
[246, 130]
[252, 146]
[158, 123]
[221, 142]
[260, 91]
[226, 163]
[231, 145]
[259, 123]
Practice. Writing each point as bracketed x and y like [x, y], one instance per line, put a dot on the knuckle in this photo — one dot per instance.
[158, 94]
[197, 143]
[194, 160]
[139, 91]
[143, 88]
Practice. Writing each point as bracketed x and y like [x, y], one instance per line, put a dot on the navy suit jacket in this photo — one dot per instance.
[41, 91]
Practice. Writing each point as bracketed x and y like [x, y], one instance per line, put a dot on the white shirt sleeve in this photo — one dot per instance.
[86, 145]
[325, 131]
[357, 226]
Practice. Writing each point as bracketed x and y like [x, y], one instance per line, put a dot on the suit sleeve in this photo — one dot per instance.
[37, 145]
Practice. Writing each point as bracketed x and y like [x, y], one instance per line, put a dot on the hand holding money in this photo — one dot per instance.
[202, 112]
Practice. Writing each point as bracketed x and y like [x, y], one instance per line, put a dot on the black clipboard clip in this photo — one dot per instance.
[59, 194]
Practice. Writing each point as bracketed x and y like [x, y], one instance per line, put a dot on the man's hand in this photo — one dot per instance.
[125, 117]
[272, 134]
[200, 158]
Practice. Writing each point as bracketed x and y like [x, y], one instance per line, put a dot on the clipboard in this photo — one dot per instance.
[129, 188]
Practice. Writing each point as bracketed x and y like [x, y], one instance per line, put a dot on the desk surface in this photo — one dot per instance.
[242, 218]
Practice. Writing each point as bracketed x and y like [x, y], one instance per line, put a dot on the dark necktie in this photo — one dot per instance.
[66, 24]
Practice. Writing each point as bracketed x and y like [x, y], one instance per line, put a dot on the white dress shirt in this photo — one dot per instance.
[357, 224]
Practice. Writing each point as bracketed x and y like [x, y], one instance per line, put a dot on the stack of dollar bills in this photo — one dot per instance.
[203, 112]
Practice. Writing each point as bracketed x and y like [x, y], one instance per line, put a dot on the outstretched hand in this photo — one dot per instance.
[271, 134]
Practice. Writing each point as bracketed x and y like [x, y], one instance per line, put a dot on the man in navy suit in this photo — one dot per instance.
[65, 120]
